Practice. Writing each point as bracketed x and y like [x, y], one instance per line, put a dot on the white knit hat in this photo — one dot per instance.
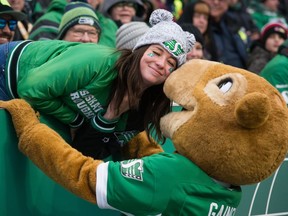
[168, 34]
[129, 33]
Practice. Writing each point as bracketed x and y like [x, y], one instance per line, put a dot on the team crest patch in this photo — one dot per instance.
[86, 21]
[132, 169]
[174, 46]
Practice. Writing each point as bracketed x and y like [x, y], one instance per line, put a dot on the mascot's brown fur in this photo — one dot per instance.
[233, 126]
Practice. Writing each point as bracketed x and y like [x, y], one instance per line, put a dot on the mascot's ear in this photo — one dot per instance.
[253, 110]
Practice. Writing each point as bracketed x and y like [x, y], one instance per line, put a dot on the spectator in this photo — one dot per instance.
[230, 46]
[265, 11]
[129, 33]
[197, 52]
[123, 11]
[239, 9]
[263, 50]
[46, 28]
[198, 14]
[24, 27]
[112, 95]
[8, 21]
[79, 24]
[276, 71]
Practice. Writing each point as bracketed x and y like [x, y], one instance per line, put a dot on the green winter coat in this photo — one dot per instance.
[262, 15]
[276, 71]
[68, 80]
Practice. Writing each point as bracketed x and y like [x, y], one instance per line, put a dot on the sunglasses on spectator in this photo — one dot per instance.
[11, 24]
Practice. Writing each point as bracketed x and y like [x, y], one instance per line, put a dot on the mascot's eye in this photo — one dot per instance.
[225, 85]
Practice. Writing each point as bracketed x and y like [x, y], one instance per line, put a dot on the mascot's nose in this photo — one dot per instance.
[253, 110]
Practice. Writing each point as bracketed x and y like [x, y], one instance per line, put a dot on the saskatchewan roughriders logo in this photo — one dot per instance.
[174, 46]
[132, 169]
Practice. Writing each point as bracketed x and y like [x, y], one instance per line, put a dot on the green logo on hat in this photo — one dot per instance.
[174, 46]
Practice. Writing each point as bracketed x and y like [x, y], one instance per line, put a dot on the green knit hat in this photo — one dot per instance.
[77, 13]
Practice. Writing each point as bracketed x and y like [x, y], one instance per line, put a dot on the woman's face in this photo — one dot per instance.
[200, 20]
[123, 11]
[273, 42]
[196, 52]
[156, 65]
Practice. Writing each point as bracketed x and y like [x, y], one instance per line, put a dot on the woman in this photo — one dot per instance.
[198, 14]
[111, 94]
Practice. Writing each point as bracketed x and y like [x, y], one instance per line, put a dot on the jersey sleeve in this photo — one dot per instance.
[121, 185]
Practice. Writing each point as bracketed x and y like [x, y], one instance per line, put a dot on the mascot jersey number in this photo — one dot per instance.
[232, 131]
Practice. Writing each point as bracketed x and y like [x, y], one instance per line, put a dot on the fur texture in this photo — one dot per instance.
[235, 123]
[233, 126]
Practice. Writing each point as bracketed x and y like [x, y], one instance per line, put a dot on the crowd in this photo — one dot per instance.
[232, 31]
[105, 96]
[245, 34]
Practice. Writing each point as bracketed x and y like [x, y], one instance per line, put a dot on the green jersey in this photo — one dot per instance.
[163, 184]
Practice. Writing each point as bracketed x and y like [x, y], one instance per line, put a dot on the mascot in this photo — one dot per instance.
[232, 131]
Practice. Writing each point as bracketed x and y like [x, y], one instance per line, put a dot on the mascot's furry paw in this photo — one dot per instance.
[141, 146]
[23, 115]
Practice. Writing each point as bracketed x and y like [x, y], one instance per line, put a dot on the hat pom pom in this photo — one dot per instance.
[160, 15]
[190, 40]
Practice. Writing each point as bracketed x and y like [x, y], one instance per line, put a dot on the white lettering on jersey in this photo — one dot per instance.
[223, 211]
[86, 103]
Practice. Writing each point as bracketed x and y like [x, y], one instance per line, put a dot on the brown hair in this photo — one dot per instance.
[202, 8]
[152, 101]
